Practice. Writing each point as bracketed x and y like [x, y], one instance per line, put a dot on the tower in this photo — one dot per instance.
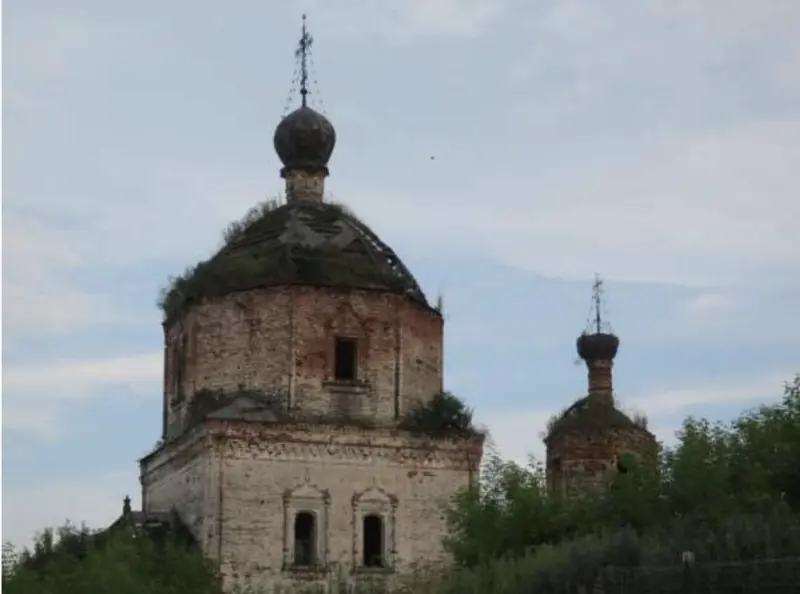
[292, 358]
[586, 442]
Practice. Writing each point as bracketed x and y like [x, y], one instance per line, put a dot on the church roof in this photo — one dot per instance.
[301, 242]
[585, 415]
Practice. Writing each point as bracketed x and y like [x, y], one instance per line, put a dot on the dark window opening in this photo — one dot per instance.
[345, 356]
[304, 553]
[178, 362]
[373, 541]
[179, 365]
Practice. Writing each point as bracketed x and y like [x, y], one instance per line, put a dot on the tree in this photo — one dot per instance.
[122, 562]
[719, 481]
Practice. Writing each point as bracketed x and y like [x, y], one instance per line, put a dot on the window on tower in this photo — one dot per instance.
[304, 541]
[345, 359]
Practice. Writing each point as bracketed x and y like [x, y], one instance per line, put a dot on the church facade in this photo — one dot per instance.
[292, 358]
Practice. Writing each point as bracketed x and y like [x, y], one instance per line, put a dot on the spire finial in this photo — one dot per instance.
[303, 48]
[597, 302]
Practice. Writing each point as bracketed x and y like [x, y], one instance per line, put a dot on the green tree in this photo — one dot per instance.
[719, 479]
[80, 562]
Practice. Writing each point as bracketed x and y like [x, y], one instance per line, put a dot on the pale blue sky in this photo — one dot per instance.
[657, 143]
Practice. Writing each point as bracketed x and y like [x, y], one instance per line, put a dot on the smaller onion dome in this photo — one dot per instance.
[304, 139]
[597, 346]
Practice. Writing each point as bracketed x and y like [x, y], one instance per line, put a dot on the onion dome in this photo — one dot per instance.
[304, 139]
[597, 347]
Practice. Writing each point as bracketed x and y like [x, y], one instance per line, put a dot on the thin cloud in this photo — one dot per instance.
[762, 388]
[691, 213]
[40, 295]
[79, 378]
[35, 395]
[406, 21]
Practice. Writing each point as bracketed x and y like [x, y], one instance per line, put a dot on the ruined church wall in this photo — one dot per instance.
[178, 477]
[323, 472]
[422, 371]
[391, 333]
[242, 339]
[281, 341]
[583, 458]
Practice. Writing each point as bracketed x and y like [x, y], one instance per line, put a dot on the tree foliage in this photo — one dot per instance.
[77, 561]
[443, 415]
[727, 491]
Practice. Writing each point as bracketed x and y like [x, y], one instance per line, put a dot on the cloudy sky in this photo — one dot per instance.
[657, 143]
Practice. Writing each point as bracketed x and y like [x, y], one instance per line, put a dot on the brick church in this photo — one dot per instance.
[291, 359]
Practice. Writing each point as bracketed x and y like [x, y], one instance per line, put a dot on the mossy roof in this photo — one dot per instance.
[296, 243]
[586, 415]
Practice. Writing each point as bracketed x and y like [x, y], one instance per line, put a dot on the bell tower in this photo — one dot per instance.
[584, 442]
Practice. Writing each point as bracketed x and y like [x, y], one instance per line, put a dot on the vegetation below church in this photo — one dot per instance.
[729, 493]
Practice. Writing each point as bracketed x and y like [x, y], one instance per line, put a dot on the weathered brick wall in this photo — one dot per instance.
[178, 477]
[421, 373]
[583, 458]
[248, 339]
[262, 465]
[242, 339]
[233, 493]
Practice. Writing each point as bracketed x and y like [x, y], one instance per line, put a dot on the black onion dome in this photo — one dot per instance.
[299, 243]
[304, 139]
[598, 346]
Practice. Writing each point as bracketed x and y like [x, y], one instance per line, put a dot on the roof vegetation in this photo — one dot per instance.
[276, 243]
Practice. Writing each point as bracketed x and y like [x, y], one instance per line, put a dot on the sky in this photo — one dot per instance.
[508, 150]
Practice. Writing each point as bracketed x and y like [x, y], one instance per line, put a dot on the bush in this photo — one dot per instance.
[81, 562]
[721, 492]
[443, 415]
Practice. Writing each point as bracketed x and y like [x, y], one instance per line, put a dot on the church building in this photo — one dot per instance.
[295, 360]
[593, 439]
[292, 359]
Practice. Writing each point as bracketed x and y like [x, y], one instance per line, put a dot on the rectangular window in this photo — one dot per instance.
[345, 359]
[304, 540]
[373, 541]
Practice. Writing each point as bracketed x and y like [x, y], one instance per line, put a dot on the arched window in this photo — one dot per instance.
[373, 541]
[304, 539]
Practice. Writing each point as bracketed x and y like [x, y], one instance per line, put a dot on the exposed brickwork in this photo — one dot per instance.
[582, 458]
[232, 483]
[238, 486]
[281, 341]
[601, 388]
[305, 185]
